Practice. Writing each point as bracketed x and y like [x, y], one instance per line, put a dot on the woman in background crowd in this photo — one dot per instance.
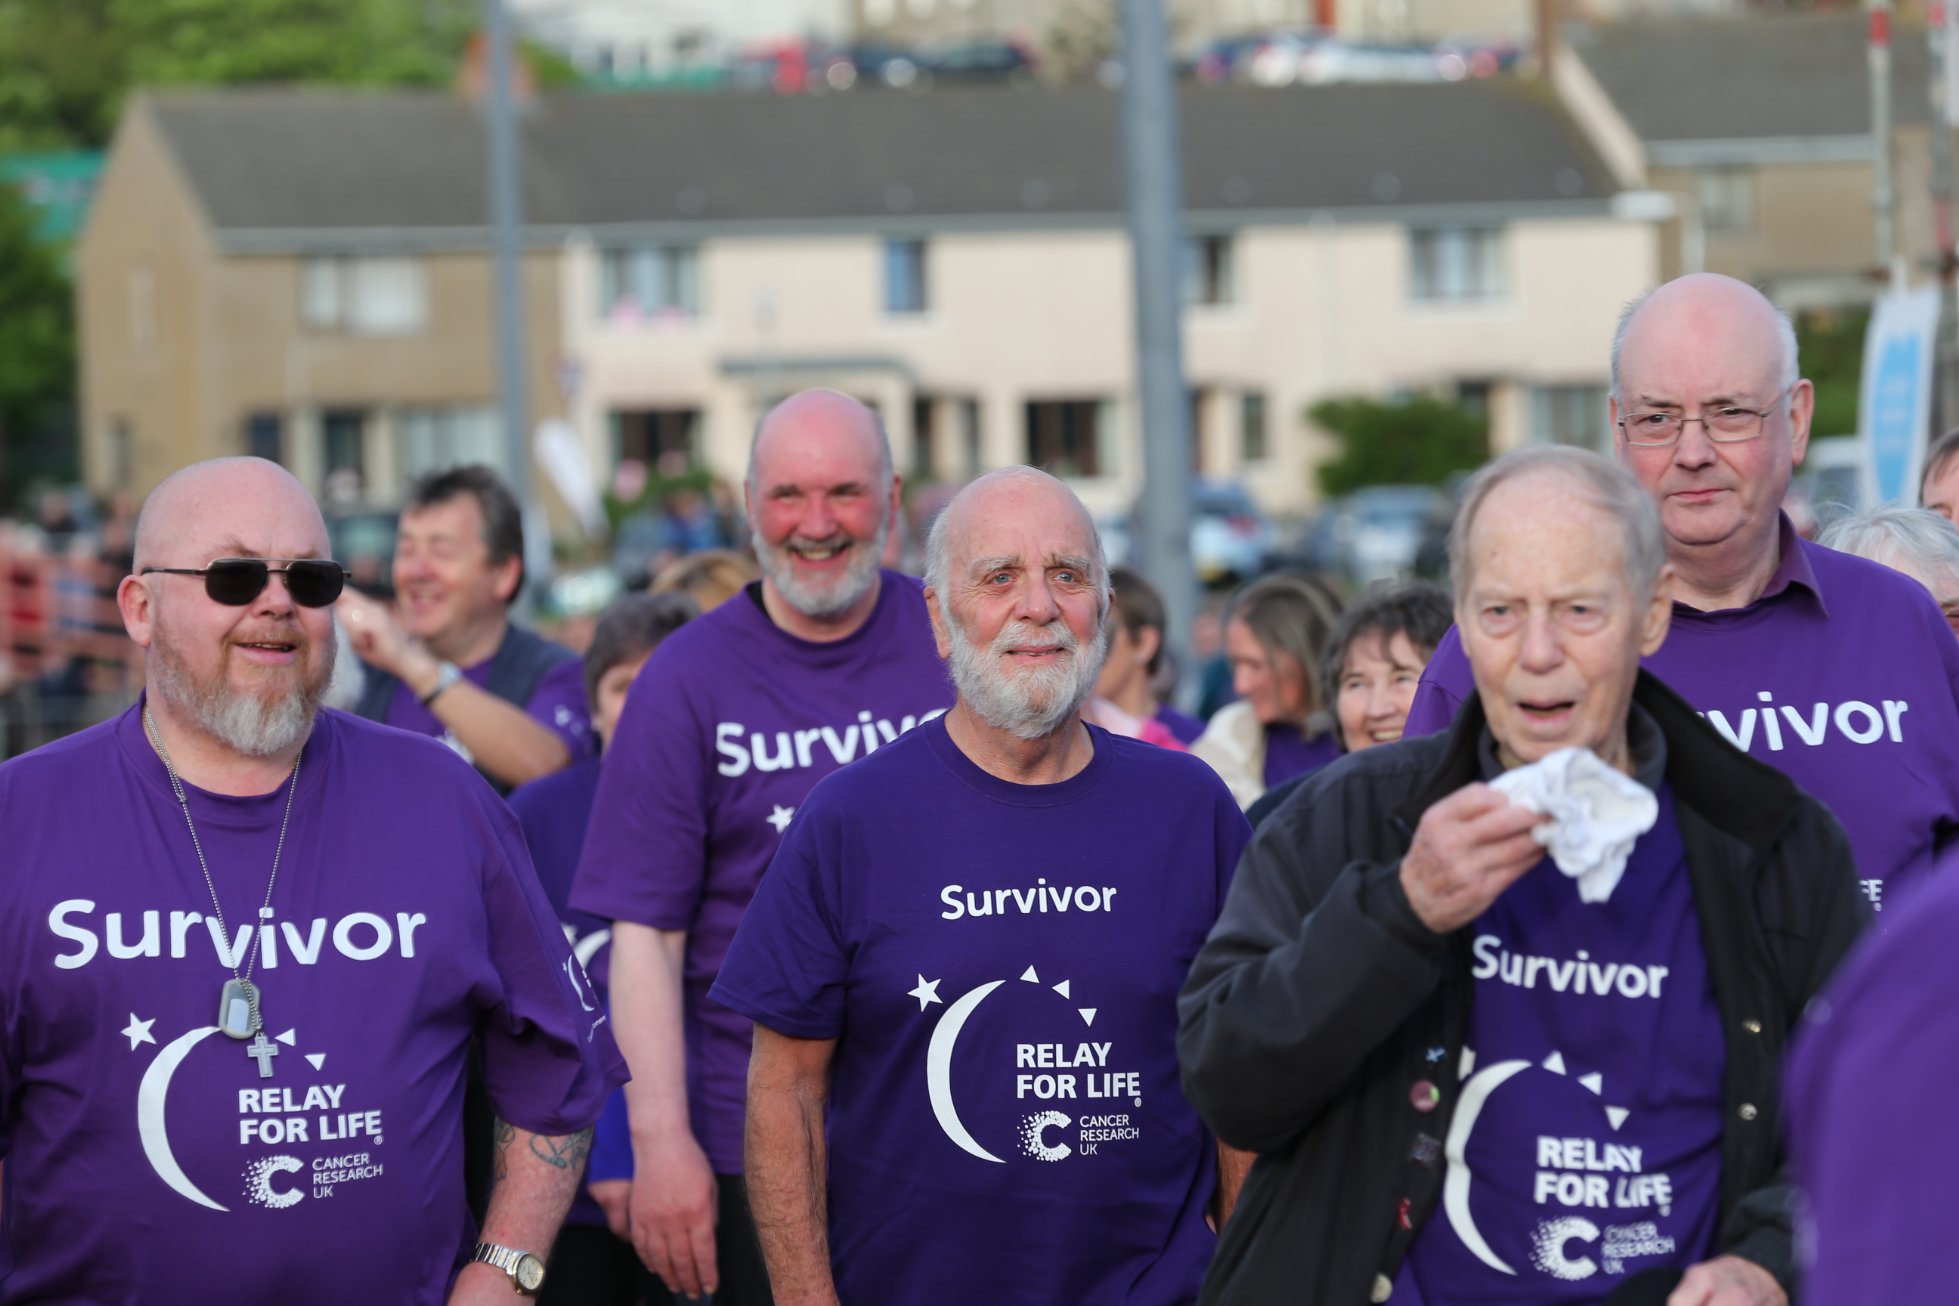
[593, 1265]
[710, 577]
[1375, 658]
[1133, 670]
[1373, 661]
[1915, 541]
[1274, 630]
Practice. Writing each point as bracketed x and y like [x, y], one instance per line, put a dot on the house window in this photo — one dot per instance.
[1208, 270]
[1455, 265]
[1252, 439]
[664, 439]
[1065, 436]
[364, 296]
[1570, 414]
[343, 432]
[650, 281]
[969, 437]
[265, 437]
[904, 276]
[430, 439]
[1474, 394]
[1726, 198]
[924, 437]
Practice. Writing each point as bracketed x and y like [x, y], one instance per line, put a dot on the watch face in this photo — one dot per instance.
[530, 1273]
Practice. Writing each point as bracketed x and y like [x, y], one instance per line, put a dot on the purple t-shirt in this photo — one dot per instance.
[149, 1154]
[1289, 753]
[1873, 1139]
[727, 728]
[558, 703]
[553, 812]
[1586, 1141]
[1000, 964]
[1843, 675]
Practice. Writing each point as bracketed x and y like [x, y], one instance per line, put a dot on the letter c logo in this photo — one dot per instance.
[1547, 1248]
[258, 1182]
[1032, 1129]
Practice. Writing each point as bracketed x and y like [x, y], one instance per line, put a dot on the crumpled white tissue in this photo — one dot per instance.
[1598, 815]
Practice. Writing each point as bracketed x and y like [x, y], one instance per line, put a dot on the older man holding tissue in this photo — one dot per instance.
[1475, 1072]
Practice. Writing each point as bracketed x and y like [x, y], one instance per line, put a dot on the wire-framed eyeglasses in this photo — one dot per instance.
[1655, 428]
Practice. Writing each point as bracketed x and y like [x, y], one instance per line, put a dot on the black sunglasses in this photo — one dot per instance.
[234, 582]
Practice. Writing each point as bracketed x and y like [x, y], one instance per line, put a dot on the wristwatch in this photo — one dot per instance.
[446, 676]
[525, 1270]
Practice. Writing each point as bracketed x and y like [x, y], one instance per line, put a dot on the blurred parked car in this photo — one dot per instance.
[1230, 539]
[986, 59]
[866, 66]
[1276, 59]
[1379, 533]
[1226, 60]
[1458, 57]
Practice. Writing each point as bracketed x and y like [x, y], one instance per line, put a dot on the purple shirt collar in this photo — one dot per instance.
[1791, 568]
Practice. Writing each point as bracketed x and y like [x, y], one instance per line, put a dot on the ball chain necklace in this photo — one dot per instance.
[238, 1005]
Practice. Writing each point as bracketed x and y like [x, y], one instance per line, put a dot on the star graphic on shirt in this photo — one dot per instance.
[138, 1031]
[779, 818]
[927, 993]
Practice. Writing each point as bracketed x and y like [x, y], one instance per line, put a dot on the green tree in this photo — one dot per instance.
[37, 343]
[1416, 440]
[1831, 342]
[67, 65]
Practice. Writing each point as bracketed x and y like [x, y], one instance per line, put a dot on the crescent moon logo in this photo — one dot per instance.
[1455, 1184]
[151, 1097]
[938, 1070]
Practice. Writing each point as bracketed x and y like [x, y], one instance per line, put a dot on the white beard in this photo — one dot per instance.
[1033, 703]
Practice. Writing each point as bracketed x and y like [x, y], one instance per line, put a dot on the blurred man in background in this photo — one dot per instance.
[448, 661]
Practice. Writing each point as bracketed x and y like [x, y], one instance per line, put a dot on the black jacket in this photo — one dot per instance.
[1308, 1012]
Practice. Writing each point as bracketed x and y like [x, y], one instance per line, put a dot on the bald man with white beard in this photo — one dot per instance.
[963, 963]
[303, 920]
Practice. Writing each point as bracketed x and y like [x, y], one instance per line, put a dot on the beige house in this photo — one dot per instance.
[304, 275]
[1760, 129]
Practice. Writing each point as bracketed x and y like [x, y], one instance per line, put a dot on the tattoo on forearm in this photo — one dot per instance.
[566, 1152]
[505, 1132]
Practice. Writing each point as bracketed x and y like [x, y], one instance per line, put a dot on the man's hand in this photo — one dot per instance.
[673, 1213]
[373, 632]
[1728, 1281]
[614, 1196]
[1468, 849]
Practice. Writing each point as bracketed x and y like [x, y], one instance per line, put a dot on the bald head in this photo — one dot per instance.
[812, 419]
[1729, 315]
[223, 498]
[1009, 494]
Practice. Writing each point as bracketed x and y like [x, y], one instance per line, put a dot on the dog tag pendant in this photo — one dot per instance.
[235, 1009]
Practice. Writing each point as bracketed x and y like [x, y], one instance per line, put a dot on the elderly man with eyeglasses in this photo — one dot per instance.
[1839, 672]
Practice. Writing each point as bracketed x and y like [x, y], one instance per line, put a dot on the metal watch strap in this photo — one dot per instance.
[503, 1258]
[446, 677]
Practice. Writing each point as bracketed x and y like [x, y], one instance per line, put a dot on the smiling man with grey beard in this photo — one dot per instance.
[368, 907]
[731, 723]
[1006, 846]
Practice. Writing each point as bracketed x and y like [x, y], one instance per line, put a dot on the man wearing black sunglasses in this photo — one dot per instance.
[448, 661]
[307, 920]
